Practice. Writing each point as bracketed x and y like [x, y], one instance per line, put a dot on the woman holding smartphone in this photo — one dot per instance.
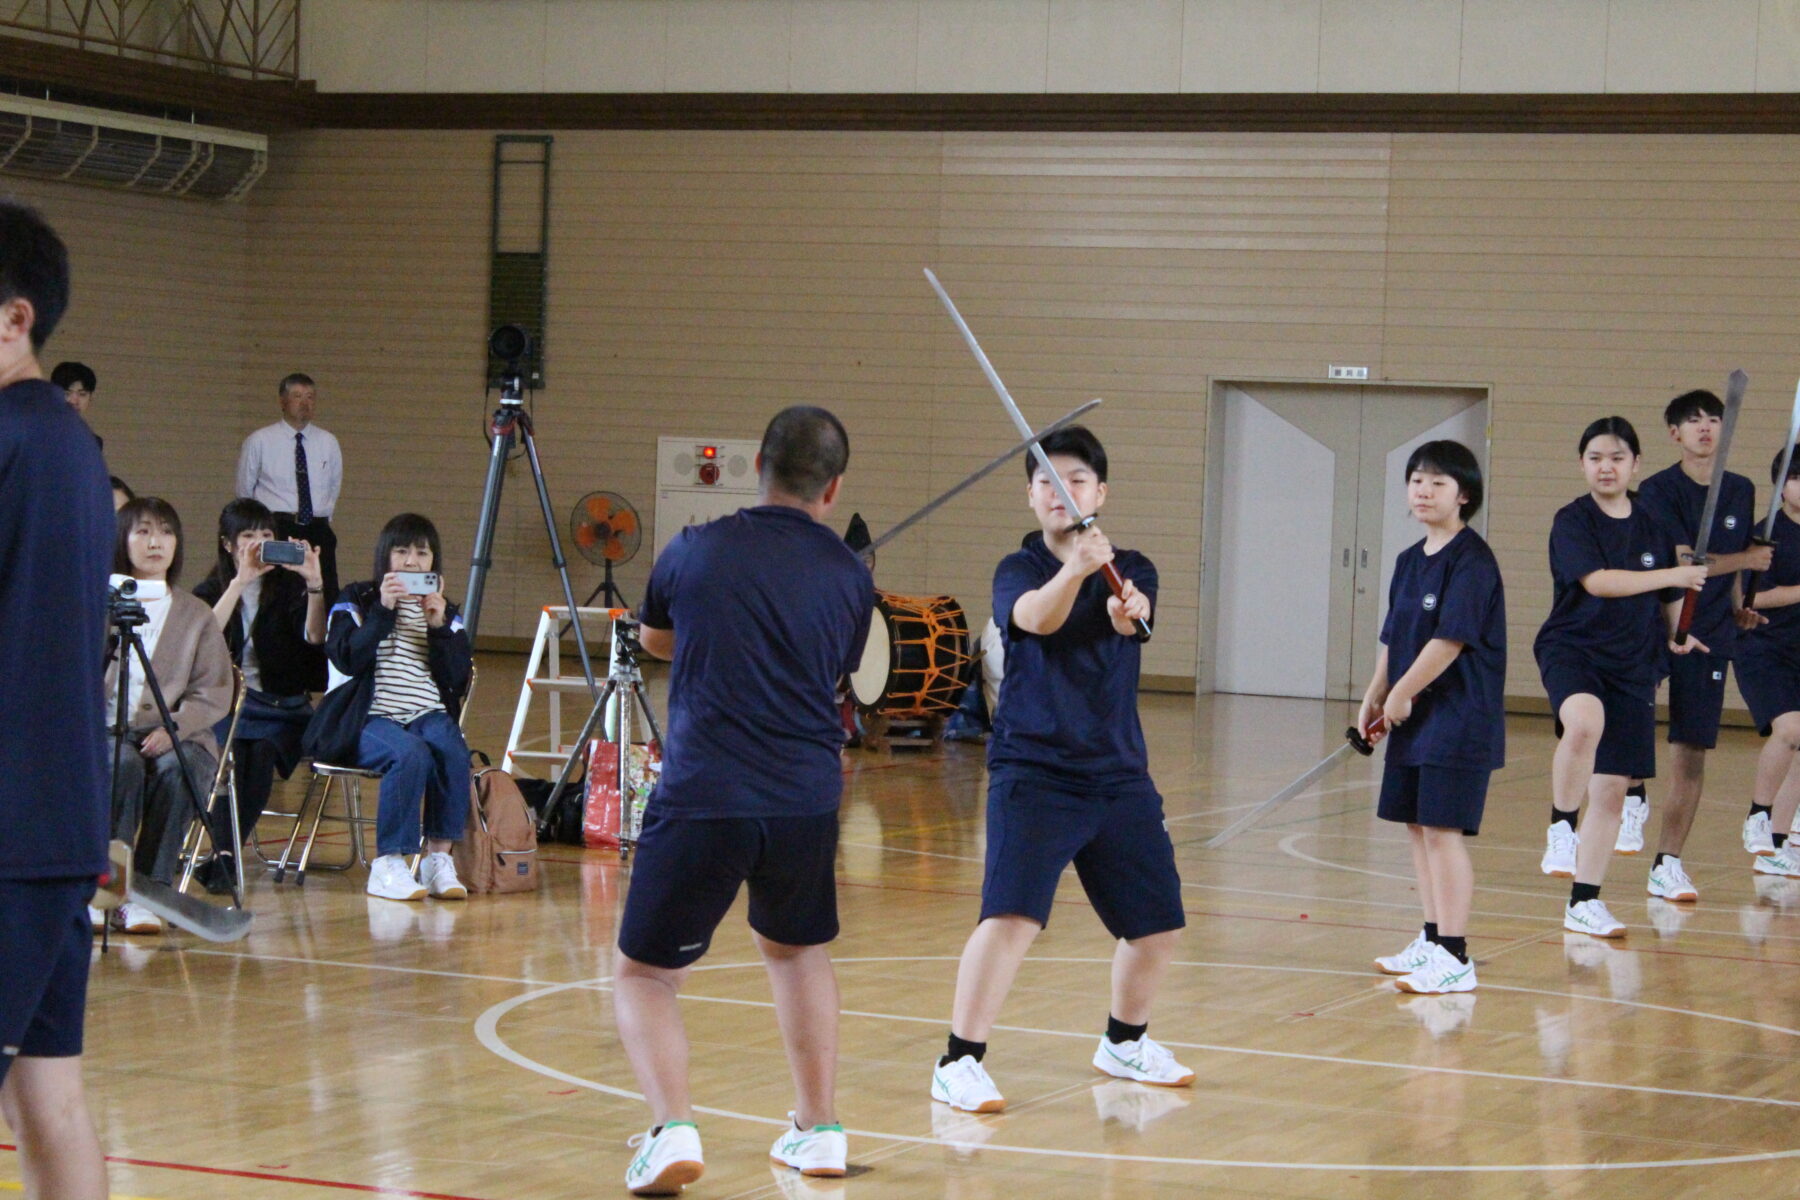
[407, 655]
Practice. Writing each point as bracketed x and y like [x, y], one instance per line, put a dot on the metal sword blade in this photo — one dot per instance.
[1279, 798]
[1734, 400]
[1787, 461]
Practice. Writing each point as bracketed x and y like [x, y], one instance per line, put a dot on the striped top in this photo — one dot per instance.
[404, 689]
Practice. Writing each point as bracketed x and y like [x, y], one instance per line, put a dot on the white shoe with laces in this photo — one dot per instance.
[1560, 844]
[821, 1151]
[667, 1160]
[1669, 882]
[1590, 917]
[1142, 1061]
[438, 873]
[1631, 826]
[1785, 862]
[135, 918]
[964, 1084]
[389, 879]
[1441, 973]
[1416, 955]
[1759, 837]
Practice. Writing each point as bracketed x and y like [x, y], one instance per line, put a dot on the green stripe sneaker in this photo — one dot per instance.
[1142, 1061]
[1441, 973]
[667, 1160]
[819, 1151]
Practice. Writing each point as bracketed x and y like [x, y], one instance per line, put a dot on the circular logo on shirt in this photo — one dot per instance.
[1430, 601]
[1649, 559]
[1731, 522]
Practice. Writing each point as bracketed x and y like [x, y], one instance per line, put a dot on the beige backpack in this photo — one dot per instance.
[498, 852]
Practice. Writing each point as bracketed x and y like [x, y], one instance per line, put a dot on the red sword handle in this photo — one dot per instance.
[1365, 742]
[1689, 602]
[1752, 578]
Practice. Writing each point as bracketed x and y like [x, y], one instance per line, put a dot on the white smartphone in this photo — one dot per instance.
[419, 583]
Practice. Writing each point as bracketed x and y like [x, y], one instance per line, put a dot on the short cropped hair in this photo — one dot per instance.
[294, 379]
[1458, 462]
[1079, 443]
[1617, 427]
[66, 375]
[407, 529]
[34, 266]
[1697, 403]
[803, 450]
[156, 509]
[1775, 466]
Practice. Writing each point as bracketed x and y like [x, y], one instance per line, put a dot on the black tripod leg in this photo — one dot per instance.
[201, 813]
[483, 556]
[556, 553]
[595, 717]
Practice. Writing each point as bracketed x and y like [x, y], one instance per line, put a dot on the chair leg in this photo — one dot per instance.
[299, 820]
[312, 835]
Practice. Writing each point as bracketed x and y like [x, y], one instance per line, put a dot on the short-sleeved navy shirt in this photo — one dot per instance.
[1676, 502]
[1624, 635]
[1459, 720]
[1067, 713]
[770, 609]
[56, 547]
[1780, 638]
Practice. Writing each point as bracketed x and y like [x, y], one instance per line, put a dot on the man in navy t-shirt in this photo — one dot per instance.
[1676, 497]
[1068, 782]
[56, 543]
[762, 612]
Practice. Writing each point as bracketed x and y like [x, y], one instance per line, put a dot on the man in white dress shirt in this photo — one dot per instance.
[297, 470]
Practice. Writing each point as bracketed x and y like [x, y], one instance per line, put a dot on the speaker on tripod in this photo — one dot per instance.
[607, 532]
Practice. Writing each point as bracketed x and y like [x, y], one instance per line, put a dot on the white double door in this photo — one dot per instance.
[1312, 512]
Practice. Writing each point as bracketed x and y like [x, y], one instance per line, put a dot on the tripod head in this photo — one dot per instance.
[124, 607]
[511, 345]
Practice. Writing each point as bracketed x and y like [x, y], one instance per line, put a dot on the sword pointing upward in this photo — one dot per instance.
[1787, 463]
[1353, 740]
[1113, 579]
[1734, 400]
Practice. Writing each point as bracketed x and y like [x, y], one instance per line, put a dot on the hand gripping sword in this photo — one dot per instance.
[1354, 739]
[1113, 579]
[1787, 462]
[1734, 400]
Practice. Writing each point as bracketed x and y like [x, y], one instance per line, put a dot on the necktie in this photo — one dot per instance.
[303, 512]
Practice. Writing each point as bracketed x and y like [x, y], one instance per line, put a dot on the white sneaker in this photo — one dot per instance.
[1143, 1061]
[1631, 826]
[1560, 844]
[820, 1151]
[135, 918]
[1441, 1014]
[1591, 917]
[1670, 882]
[964, 1084]
[1416, 955]
[668, 1160]
[390, 880]
[438, 873]
[1759, 838]
[1783, 862]
[96, 919]
[1135, 1108]
[1668, 918]
[1441, 973]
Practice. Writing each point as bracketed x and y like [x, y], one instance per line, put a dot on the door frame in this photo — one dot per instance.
[1213, 484]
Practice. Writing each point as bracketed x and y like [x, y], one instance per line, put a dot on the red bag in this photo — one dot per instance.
[603, 808]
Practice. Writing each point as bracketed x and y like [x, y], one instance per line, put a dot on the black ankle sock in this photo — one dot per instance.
[1118, 1031]
[961, 1049]
[1660, 856]
[1458, 946]
[1557, 814]
[1431, 933]
[1765, 809]
[1637, 789]
[1780, 839]
[1583, 891]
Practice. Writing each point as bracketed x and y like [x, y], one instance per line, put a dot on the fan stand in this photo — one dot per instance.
[614, 597]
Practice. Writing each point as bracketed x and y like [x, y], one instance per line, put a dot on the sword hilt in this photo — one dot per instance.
[1753, 576]
[1365, 743]
[1690, 602]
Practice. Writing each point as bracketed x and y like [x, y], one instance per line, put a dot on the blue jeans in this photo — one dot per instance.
[425, 758]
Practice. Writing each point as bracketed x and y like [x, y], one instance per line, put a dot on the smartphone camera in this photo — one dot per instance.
[419, 583]
[286, 554]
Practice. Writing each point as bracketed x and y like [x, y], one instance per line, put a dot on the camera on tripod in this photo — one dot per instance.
[511, 344]
[125, 596]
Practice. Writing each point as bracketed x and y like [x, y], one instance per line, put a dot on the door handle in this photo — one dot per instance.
[1365, 557]
[1346, 556]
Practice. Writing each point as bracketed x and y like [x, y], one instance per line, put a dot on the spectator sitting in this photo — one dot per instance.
[273, 619]
[150, 804]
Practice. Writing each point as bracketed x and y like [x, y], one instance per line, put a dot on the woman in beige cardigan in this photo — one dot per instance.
[151, 807]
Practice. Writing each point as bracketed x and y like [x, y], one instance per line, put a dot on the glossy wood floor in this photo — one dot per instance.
[357, 1046]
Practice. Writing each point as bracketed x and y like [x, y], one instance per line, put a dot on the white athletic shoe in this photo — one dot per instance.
[1440, 974]
[1668, 918]
[1670, 882]
[1631, 826]
[1590, 917]
[821, 1151]
[667, 1160]
[1759, 838]
[1119, 1102]
[135, 918]
[1560, 844]
[1784, 862]
[1142, 1061]
[964, 1084]
[390, 880]
[1416, 955]
[1441, 1014]
[438, 873]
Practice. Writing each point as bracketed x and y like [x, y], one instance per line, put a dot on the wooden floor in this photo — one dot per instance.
[355, 1046]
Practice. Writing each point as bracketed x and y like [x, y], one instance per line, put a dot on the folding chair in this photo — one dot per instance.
[224, 784]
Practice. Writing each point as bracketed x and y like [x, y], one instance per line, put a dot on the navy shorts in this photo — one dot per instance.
[1441, 797]
[1119, 844]
[1696, 698]
[1628, 743]
[1771, 686]
[44, 943]
[687, 870]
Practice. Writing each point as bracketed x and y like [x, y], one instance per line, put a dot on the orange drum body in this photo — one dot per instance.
[918, 659]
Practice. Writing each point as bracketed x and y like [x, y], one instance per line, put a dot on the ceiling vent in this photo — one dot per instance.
[49, 140]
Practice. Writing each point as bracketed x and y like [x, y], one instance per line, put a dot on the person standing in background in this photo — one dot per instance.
[296, 469]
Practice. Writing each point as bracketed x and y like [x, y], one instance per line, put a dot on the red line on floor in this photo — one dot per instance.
[195, 1169]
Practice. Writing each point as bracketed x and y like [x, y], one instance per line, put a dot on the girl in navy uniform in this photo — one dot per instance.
[1443, 646]
[1768, 671]
[1617, 595]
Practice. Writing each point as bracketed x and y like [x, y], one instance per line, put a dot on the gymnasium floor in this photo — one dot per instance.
[352, 1046]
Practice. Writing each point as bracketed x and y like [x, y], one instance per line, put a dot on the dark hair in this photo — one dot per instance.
[407, 529]
[1697, 403]
[803, 450]
[1458, 462]
[156, 509]
[1078, 442]
[292, 379]
[66, 375]
[1617, 427]
[235, 518]
[1775, 466]
[119, 485]
[34, 266]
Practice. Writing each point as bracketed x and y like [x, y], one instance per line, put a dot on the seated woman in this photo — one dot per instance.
[408, 657]
[152, 807]
[273, 619]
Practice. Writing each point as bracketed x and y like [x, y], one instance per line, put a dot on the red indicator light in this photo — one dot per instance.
[709, 452]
